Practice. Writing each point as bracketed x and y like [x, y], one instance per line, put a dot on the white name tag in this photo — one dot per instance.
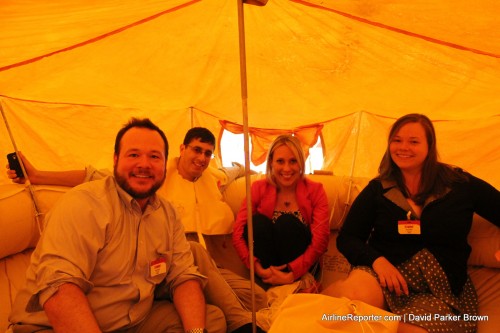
[158, 266]
[409, 227]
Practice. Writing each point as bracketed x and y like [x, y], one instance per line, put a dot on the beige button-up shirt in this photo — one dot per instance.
[97, 238]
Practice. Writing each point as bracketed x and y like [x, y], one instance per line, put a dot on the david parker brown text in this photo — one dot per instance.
[405, 317]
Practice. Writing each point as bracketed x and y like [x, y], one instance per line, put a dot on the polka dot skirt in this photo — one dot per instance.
[431, 303]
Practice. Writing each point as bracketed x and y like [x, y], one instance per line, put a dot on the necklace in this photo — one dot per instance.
[287, 199]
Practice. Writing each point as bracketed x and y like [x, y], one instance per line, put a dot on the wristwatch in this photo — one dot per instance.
[197, 330]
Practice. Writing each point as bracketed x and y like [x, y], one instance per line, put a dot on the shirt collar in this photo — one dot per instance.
[393, 193]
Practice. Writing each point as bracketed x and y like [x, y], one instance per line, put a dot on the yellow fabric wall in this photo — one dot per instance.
[72, 72]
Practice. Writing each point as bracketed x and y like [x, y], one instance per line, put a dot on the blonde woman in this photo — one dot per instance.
[290, 218]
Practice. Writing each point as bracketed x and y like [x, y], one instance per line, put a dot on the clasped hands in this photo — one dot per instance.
[274, 275]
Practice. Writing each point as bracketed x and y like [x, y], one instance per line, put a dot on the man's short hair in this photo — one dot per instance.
[201, 133]
[140, 123]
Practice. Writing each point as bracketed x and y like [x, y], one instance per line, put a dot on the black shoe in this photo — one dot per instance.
[247, 328]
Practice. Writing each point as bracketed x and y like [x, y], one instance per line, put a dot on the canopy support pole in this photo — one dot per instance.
[30, 187]
[244, 105]
[353, 164]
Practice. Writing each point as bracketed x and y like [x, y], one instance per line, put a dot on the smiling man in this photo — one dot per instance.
[192, 190]
[103, 279]
[195, 153]
[129, 171]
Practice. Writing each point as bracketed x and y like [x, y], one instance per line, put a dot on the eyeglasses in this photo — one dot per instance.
[198, 150]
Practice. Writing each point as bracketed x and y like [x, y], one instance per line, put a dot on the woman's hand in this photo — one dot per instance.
[389, 276]
[278, 276]
[263, 273]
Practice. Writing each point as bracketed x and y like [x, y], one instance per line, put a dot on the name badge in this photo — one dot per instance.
[158, 266]
[409, 227]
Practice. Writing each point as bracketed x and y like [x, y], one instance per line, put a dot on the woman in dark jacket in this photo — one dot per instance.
[406, 234]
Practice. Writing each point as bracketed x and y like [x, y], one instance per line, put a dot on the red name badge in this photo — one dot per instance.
[158, 266]
[409, 227]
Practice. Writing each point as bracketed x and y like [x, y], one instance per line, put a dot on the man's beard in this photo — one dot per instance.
[123, 183]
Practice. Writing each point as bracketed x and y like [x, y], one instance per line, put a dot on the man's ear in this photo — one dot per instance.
[115, 160]
[182, 147]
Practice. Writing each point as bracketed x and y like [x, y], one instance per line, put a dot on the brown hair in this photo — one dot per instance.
[140, 123]
[436, 176]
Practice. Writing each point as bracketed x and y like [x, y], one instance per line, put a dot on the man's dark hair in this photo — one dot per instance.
[140, 123]
[201, 133]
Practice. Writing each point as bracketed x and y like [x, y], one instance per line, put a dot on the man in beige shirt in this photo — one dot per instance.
[191, 188]
[107, 246]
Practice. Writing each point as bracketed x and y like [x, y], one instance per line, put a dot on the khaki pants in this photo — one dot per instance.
[220, 293]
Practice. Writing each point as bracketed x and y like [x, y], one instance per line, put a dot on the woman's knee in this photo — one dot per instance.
[359, 285]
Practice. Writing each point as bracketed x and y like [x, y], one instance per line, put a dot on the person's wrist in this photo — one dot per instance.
[35, 177]
[197, 330]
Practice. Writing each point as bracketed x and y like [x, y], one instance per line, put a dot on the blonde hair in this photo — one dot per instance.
[295, 146]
